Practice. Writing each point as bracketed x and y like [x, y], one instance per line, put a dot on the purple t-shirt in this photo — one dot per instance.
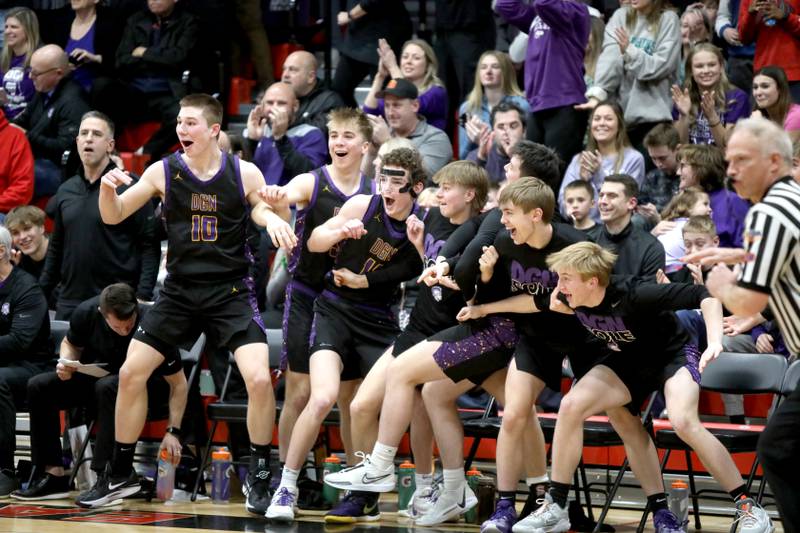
[432, 106]
[728, 212]
[18, 86]
[738, 107]
[82, 75]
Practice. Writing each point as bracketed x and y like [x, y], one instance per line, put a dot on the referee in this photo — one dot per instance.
[759, 158]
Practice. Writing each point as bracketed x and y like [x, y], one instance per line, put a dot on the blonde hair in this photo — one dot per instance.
[720, 91]
[356, 117]
[469, 175]
[509, 86]
[681, 205]
[529, 194]
[588, 259]
[700, 224]
[429, 79]
[393, 143]
[30, 25]
[653, 16]
[594, 46]
[621, 140]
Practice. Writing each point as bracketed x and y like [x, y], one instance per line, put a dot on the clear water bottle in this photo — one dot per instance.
[221, 476]
[678, 503]
[165, 485]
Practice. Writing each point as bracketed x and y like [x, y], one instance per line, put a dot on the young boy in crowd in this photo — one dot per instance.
[579, 199]
[26, 224]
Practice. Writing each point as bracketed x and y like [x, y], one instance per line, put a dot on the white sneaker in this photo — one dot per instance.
[364, 476]
[421, 502]
[752, 517]
[549, 518]
[448, 505]
[283, 505]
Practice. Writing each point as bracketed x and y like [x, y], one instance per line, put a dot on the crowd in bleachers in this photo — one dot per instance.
[642, 93]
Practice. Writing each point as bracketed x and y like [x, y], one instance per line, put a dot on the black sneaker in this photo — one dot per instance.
[47, 487]
[535, 499]
[8, 483]
[256, 489]
[108, 490]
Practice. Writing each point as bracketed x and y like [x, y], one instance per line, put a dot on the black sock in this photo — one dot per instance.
[538, 490]
[657, 501]
[559, 493]
[506, 495]
[259, 457]
[122, 459]
[738, 419]
[739, 492]
[370, 497]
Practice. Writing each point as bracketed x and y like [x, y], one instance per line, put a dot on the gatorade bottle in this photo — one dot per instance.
[471, 516]
[331, 494]
[405, 484]
[221, 476]
[165, 484]
[678, 503]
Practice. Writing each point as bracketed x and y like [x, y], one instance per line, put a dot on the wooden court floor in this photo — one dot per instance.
[138, 516]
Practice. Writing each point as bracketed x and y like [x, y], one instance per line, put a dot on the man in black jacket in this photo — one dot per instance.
[300, 71]
[85, 254]
[25, 347]
[51, 119]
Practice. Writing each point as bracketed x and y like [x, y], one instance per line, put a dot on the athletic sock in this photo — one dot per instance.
[559, 493]
[422, 481]
[259, 457]
[537, 480]
[657, 502]
[289, 477]
[383, 456]
[454, 479]
[509, 495]
[122, 459]
[739, 492]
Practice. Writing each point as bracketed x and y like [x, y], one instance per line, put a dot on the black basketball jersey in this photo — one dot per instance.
[308, 267]
[206, 222]
[385, 242]
[436, 307]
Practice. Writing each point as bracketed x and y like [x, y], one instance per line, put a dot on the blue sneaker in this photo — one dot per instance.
[665, 521]
[502, 519]
[355, 507]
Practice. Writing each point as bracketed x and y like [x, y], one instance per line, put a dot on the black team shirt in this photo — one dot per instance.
[24, 322]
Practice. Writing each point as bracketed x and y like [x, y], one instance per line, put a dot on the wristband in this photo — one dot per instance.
[175, 432]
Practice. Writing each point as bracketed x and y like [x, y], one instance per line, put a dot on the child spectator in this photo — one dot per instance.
[708, 107]
[690, 202]
[773, 100]
[608, 152]
[418, 65]
[26, 224]
[495, 82]
[579, 202]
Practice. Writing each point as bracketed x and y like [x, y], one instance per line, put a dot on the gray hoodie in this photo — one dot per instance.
[640, 79]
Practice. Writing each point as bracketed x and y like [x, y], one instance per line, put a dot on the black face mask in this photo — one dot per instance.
[407, 188]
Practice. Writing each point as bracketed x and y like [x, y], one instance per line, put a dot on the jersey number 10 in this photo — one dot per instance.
[204, 228]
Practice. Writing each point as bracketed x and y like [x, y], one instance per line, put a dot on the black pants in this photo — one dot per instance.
[13, 381]
[778, 450]
[560, 128]
[47, 395]
[349, 73]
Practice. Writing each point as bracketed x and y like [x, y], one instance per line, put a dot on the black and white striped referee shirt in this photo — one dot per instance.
[772, 234]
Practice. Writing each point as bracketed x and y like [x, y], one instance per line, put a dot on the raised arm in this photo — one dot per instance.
[277, 200]
[346, 224]
[115, 208]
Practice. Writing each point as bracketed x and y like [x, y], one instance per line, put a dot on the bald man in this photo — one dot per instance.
[52, 118]
[300, 71]
[283, 148]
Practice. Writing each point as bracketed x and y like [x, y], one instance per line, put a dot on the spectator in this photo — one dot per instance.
[86, 255]
[25, 348]
[554, 85]
[248, 15]
[776, 44]
[153, 59]
[593, 48]
[773, 100]
[99, 332]
[417, 65]
[608, 152]
[690, 202]
[91, 43]
[535, 160]
[695, 29]
[579, 202]
[401, 102]
[365, 22]
[51, 119]
[16, 167]
[282, 148]
[638, 64]
[708, 107]
[300, 71]
[26, 224]
[508, 128]
[740, 56]
[660, 185]
[21, 40]
[704, 166]
[495, 83]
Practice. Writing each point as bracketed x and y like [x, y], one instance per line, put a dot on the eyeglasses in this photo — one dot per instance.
[35, 74]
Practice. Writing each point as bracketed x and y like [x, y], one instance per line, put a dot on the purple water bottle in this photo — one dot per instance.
[165, 485]
[221, 476]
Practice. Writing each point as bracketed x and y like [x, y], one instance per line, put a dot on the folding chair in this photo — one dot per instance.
[732, 373]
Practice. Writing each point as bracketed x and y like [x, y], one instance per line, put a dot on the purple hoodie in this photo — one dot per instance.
[558, 32]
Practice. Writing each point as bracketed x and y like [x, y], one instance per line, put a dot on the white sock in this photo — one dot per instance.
[289, 477]
[382, 457]
[454, 479]
[536, 480]
[422, 481]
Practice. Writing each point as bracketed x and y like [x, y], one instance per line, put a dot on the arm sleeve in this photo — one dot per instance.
[78, 334]
[467, 270]
[377, 110]
[608, 72]
[308, 154]
[403, 268]
[562, 16]
[772, 244]
[664, 59]
[20, 179]
[433, 104]
[516, 13]
[654, 297]
[633, 165]
[29, 311]
[473, 156]
[791, 24]
[748, 23]
[150, 248]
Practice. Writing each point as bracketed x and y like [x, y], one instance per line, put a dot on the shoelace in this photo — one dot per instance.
[285, 498]
[363, 462]
[746, 516]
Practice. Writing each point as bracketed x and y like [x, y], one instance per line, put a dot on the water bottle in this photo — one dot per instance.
[221, 476]
[331, 494]
[405, 484]
[678, 503]
[486, 495]
[473, 476]
[165, 484]
[771, 21]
